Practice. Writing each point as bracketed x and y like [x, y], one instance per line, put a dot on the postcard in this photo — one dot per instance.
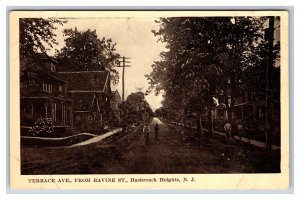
[151, 100]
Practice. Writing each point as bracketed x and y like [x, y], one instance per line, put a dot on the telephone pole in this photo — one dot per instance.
[269, 95]
[123, 60]
[139, 89]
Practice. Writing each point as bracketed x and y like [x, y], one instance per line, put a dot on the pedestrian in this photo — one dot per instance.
[146, 132]
[156, 131]
[228, 129]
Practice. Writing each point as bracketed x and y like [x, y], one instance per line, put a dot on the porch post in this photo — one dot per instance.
[71, 116]
[46, 110]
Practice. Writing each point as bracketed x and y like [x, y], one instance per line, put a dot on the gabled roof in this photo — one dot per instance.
[86, 81]
[45, 56]
[115, 95]
[95, 104]
[39, 66]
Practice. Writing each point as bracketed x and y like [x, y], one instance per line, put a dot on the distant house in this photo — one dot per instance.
[115, 101]
[245, 108]
[42, 93]
[91, 93]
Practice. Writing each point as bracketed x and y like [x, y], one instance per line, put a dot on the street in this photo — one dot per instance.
[173, 152]
[176, 151]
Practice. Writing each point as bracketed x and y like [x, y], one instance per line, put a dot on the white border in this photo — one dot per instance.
[276, 181]
[3, 76]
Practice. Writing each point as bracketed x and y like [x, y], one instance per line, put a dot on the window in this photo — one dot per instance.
[77, 118]
[28, 109]
[47, 87]
[261, 113]
[52, 67]
[60, 88]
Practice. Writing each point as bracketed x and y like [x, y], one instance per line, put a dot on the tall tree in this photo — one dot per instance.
[84, 51]
[205, 59]
[136, 109]
[36, 35]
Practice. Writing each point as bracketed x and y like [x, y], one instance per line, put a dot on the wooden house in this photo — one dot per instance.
[90, 92]
[42, 94]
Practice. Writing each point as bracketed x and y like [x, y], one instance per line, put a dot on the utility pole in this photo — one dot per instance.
[139, 89]
[269, 120]
[124, 60]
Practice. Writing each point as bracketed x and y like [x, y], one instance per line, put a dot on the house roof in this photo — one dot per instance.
[115, 95]
[42, 70]
[45, 56]
[86, 81]
[46, 73]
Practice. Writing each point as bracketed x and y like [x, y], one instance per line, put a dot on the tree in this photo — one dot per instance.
[137, 109]
[84, 51]
[206, 58]
[36, 35]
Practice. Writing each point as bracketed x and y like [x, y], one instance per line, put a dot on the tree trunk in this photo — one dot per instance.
[269, 93]
[232, 97]
[226, 104]
[211, 125]
[200, 125]
[230, 114]
[197, 122]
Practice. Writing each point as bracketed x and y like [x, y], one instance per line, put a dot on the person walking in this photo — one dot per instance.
[156, 131]
[146, 132]
[228, 129]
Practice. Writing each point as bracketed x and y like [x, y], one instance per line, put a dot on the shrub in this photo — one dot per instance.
[42, 126]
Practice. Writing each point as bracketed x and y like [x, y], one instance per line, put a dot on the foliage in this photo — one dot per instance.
[84, 51]
[36, 35]
[208, 58]
[137, 109]
[43, 126]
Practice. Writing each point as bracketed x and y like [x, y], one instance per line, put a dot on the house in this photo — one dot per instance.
[42, 94]
[91, 93]
[115, 101]
[248, 106]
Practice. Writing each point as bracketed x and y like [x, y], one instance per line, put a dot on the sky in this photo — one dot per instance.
[134, 40]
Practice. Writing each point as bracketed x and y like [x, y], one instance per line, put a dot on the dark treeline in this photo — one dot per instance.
[211, 62]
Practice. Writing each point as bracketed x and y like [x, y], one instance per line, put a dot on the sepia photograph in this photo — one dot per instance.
[150, 94]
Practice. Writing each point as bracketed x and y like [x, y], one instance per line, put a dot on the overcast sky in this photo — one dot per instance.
[135, 40]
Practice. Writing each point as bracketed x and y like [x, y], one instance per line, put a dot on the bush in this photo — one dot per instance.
[43, 126]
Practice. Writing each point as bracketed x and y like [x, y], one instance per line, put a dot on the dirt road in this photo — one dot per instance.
[176, 151]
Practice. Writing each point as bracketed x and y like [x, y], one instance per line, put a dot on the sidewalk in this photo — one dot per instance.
[97, 138]
[243, 139]
[246, 140]
[58, 138]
